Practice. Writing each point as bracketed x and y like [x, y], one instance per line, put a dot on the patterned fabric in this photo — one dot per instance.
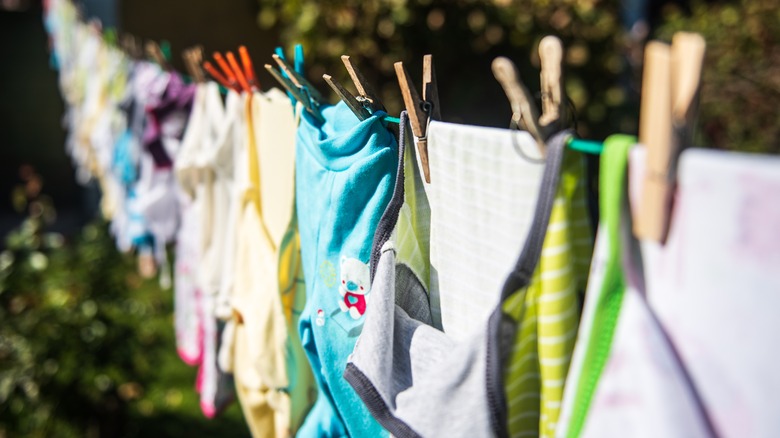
[547, 312]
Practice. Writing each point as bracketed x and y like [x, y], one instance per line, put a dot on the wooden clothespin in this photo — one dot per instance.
[137, 47]
[127, 43]
[366, 102]
[551, 75]
[193, 57]
[367, 96]
[421, 111]
[523, 107]
[357, 108]
[297, 85]
[687, 60]
[669, 89]
[153, 51]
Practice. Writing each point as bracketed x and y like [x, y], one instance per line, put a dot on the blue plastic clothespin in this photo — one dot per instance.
[299, 63]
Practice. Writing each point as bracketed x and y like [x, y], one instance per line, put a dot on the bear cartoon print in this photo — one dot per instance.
[354, 287]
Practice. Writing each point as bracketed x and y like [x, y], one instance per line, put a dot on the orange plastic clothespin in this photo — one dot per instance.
[227, 71]
[217, 75]
[249, 71]
[238, 72]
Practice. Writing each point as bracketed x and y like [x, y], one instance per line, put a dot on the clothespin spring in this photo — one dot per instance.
[514, 126]
[427, 108]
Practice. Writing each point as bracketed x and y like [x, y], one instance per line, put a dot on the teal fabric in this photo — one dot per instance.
[344, 177]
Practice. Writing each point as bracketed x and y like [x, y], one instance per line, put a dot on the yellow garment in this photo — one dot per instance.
[267, 258]
[548, 313]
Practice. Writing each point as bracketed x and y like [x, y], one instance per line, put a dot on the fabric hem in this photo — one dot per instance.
[375, 404]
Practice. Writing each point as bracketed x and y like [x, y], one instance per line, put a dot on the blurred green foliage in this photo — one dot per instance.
[741, 83]
[741, 79]
[86, 345]
[465, 36]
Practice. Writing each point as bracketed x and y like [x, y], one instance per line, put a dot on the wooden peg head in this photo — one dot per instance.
[551, 57]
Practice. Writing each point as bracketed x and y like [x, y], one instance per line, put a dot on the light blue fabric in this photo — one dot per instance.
[345, 172]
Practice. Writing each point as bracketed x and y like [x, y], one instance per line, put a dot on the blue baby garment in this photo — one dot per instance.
[345, 172]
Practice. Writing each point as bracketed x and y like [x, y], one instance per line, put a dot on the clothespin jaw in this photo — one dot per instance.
[523, 108]
[365, 90]
[669, 88]
[551, 75]
[298, 86]
[366, 102]
[296, 92]
[687, 60]
[299, 80]
[430, 87]
[420, 110]
[357, 107]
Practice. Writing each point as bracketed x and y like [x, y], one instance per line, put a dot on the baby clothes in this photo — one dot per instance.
[133, 168]
[344, 177]
[262, 346]
[713, 285]
[229, 180]
[490, 190]
[418, 381]
[629, 380]
[157, 199]
[188, 310]
[481, 196]
[547, 312]
[199, 323]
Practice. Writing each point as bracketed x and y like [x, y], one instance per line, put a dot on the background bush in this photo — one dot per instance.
[741, 83]
[86, 345]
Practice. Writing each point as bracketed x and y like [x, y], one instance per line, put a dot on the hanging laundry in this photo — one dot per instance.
[274, 401]
[344, 174]
[715, 268]
[419, 398]
[627, 378]
[195, 302]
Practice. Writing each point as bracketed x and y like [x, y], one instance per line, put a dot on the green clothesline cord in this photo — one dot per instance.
[586, 146]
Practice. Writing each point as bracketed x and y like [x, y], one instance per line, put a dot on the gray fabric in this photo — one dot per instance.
[414, 379]
[414, 371]
[410, 295]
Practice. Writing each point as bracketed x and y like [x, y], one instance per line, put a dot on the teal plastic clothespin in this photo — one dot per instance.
[165, 48]
[299, 58]
[586, 146]
[298, 67]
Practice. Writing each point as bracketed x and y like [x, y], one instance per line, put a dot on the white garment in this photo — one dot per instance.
[693, 352]
[195, 175]
[482, 197]
[715, 288]
[229, 150]
[188, 304]
[214, 191]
